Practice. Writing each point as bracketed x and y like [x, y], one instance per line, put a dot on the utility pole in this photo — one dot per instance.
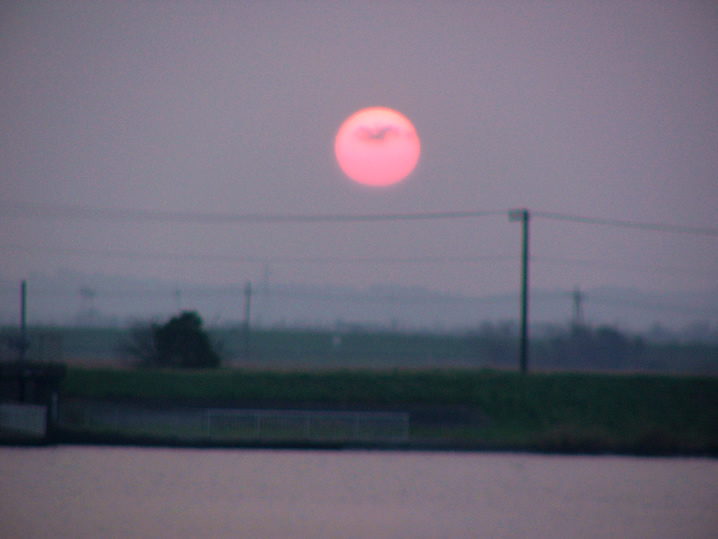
[23, 320]
[578, 297]
[247, 310]
[523, 216]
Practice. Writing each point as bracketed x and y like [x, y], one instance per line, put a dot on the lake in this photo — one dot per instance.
[89, 491]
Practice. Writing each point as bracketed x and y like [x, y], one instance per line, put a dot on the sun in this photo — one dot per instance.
[377, 146]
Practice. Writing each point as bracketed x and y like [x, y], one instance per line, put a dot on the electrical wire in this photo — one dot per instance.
[438, 259]
[338, 260]
[656, 227]
[74, 211]
[62, 211]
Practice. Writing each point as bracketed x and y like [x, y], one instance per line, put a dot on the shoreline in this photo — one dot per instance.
[69, 438]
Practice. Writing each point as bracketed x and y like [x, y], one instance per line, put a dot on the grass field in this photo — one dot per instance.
[646, 414]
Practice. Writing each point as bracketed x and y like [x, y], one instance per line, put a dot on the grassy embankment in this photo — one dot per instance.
[644, 414]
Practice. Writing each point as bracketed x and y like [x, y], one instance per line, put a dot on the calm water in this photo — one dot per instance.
[127, 492]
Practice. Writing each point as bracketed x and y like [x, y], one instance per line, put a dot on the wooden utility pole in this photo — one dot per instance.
[577, 307]
[23, 320]
[247, 312]
[523, 216]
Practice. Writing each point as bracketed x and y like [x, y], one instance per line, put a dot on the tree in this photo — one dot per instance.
[140, 343]
[180, 343]
[584, 347]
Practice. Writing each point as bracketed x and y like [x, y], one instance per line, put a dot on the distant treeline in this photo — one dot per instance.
[490, 346]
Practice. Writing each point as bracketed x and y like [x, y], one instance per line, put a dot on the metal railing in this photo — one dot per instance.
[306, 425]
[228, 424]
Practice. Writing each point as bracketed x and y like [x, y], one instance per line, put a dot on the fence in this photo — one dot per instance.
[306, 425]
[229, 425]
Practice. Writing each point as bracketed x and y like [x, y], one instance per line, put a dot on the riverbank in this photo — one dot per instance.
[461, 409]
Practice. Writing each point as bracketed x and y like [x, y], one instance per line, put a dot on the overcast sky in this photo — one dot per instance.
[594, 109]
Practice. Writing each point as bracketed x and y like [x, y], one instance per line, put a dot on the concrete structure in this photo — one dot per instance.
[29, 397]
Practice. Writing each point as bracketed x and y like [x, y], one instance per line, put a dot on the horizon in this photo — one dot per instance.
[72, 298]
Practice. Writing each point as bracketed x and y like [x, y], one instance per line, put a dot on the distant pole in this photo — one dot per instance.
[23, 319]
[247, 304]
[523, 216]
[247, 311]
[577, 308]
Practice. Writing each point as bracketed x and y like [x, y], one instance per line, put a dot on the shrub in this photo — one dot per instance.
[179, 343]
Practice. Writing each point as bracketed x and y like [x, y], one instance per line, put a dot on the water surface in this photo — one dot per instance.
[77, 491]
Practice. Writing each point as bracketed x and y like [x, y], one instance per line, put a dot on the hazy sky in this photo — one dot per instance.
[597, 109]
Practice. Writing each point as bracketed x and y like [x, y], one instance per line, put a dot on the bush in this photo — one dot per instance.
[180, 343]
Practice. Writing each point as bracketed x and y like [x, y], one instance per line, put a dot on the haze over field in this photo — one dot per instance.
[153, 141]
[78, 299]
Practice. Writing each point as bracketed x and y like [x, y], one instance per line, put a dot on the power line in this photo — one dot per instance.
[338, 260]
[377, 295]
[74, 211]
[668, 270]
[653, 306]
[437, 259]
[62, 212]
[362, 296]
[656, 227]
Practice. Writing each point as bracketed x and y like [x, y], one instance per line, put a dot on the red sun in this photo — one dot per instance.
[377, 146]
